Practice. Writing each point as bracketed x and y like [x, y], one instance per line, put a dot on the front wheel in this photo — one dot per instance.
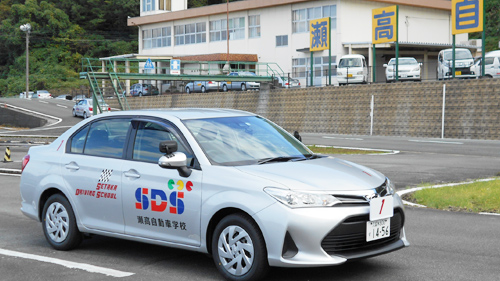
[224, 88]
[59, 224]
[243, 87]
[74, 113]
[238, 249]
[188, 91]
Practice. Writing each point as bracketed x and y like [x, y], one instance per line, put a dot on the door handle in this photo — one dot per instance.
[72, 166]
[132, 174]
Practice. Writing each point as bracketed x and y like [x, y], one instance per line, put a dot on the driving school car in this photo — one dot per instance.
[224, 182]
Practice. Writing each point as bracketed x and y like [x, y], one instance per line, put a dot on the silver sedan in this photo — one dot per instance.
[224, 182]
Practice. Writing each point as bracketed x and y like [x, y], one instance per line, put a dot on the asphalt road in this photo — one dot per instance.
[444, 245]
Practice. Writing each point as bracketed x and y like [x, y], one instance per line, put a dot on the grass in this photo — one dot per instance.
[475, 197]
[335, 150]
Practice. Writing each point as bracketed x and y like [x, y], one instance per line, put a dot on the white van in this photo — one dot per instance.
[352, 69]
[492, 66]
[463, 63]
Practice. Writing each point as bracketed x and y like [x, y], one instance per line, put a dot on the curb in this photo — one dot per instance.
[410, 190]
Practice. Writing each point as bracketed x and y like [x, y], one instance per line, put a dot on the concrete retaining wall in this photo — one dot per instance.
[402, 109]
[14, 118]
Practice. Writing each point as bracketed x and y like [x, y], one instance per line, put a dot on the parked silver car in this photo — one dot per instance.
[218, 181]
[84, 108]
[201, 86]
[240, 85]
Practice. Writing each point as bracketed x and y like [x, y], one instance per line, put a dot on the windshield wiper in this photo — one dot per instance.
[279, 159]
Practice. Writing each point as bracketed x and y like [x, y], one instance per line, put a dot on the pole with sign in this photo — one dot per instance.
[319, 41]
[385, 30]
[467, 16]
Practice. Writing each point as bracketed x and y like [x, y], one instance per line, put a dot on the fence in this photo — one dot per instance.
[472, 109]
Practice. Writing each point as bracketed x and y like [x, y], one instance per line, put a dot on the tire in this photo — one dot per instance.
[243, 87]
[74, 113]
[248, 253]
[188, 90]
[85, 115]
[59, 224]
[140, 94]
[224, 88]
[203, 90]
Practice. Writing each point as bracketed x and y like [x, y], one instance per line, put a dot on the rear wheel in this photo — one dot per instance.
[188, 90]
[59, 224]
[203, 90]
[85, 115]
[224, 88]
[74, 113]
[238, 249]
[243, 87]
[140, 94]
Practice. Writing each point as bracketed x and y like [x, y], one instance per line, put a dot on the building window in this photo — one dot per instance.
[218, 29]
[157, 38]
[190, 33]
[302, 66]
[301, 18]
[281, 40]
[253, 26]
[148, 5]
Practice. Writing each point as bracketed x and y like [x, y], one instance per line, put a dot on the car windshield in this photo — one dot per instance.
[459, 55]
[350, 62]
[245, 140]
[403, 61]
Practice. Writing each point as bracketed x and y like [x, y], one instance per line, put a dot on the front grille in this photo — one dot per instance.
[349, 238]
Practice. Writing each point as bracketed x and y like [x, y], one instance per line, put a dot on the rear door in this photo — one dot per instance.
[92, 169]
[158, 203]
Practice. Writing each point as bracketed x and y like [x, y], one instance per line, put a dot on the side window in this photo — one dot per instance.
[78, 141]
[147, 142]
[107, 138]
[489, 61]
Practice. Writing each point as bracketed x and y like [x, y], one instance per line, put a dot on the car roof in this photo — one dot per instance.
[185, 113]
[352, 56]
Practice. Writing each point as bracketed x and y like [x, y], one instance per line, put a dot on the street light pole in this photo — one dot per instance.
[27, 28]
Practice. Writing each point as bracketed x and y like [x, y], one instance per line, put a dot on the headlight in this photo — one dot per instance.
[339, 73]
[297, 199]
[416, 69]
[360, 72]
[390, 187]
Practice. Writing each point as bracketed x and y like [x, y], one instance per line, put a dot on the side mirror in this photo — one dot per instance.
[385, 64]
[173, 159]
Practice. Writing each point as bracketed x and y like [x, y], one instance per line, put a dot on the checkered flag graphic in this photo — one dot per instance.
[105, 175]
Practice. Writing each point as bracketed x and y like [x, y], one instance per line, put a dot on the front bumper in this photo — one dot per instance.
[311, 237]
[355, 79]
[404, 76]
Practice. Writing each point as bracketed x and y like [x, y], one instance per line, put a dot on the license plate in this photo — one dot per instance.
[458, 73]
[404, 75]
[378, 229]
[349, 75]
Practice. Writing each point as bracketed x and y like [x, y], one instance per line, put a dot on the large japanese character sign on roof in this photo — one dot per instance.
[320, 35]
[466, 16]
[384, 25]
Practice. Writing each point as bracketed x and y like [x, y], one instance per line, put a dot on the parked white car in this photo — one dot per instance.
[408, 69]
[463, 63]
[492, 66]
[223, 182]
[43, 94]
[85, 109]
[352, 69]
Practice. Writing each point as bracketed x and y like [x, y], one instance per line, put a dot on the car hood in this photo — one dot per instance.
[327, 173]
[403, 67]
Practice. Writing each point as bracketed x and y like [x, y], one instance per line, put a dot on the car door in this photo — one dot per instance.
[80, 107]
[92, 171]
[158, 203]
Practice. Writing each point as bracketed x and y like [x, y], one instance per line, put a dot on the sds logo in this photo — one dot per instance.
[156, 199]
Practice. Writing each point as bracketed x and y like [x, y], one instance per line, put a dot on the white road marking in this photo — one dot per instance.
[446, 142]
[356, 139]
[59, 120]
[7, 174]
[61, 105]
[68, 264]
[43, 101]
[410, 190]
